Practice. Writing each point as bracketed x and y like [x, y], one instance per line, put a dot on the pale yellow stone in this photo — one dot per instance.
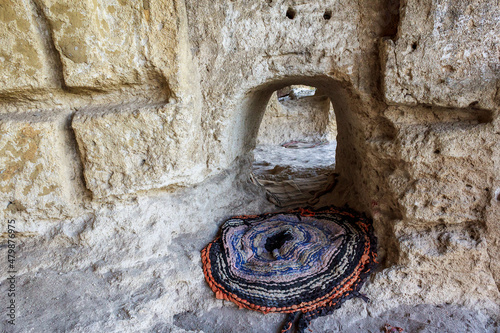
[33, 177]
[100, 42]
[129, 150]
[23, 58]
[296, 119]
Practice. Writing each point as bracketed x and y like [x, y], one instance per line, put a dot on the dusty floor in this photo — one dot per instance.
[102, 274]
[99, 299]
[412, 319]
[275, 162]
[297, 173]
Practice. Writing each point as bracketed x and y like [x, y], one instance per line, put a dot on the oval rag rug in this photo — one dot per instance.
[305, 263]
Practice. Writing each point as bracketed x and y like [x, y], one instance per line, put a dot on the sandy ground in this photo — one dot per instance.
[275, 162]
[412, 319]
[135, 267]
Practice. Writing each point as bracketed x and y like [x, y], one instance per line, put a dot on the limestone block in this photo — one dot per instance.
[446, 53]
[439, 264]
[100, 42]
[301, 119]
[23, 62]
[444, 176]
[33, 175]
[125, 151]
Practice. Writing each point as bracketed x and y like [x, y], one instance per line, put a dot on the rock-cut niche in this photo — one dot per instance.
[294, 155]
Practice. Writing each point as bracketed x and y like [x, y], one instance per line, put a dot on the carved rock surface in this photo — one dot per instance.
[133, 149]
[446, 53]
[32, 177]
[307, 119]
[24, 58]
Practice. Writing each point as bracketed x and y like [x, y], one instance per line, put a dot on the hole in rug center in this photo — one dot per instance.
[275, 242]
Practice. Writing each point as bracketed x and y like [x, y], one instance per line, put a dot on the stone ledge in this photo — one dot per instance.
[135, 149]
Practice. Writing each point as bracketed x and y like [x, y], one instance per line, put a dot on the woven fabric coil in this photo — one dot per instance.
[302, 262]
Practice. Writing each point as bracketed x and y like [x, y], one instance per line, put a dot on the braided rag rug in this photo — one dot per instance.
[305, 263]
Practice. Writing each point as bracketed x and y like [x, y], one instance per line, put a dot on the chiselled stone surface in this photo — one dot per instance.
[133, 149]
[446, 53]
[441, 176]
[23, 61]
[166, 93]
[307, 118]
[436, 263]
[33, 177]
[100, 42]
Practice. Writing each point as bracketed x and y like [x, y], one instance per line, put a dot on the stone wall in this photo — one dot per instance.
[126, 121]
[308, 119]
[128, 99]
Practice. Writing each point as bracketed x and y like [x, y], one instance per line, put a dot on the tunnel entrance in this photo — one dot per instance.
[294, 157]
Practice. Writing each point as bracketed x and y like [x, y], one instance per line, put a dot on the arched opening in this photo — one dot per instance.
[346, 106]
[294, 158]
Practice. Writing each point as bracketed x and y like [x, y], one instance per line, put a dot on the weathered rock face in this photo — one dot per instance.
[127, 128]
[146, 147]
[23, 58]
[33, 178]
[446, 53]
[89, 37]
[309, 118]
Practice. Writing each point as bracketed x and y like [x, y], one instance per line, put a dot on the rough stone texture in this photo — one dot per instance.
[32, 178]
[436, 158]
[446, 53]
[424, 251]
[183, 100]
[419, 319]
[24, 62]
[91, 41]
[134, 149]
[492, 215]
[102, 45]
[307, 118]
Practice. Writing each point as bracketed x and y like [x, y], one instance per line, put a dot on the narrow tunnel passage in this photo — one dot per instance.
[294, 158]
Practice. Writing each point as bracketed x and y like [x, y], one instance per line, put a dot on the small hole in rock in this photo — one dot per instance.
[327, 15]
[414, 45]
[290, 13]
[437, 151]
